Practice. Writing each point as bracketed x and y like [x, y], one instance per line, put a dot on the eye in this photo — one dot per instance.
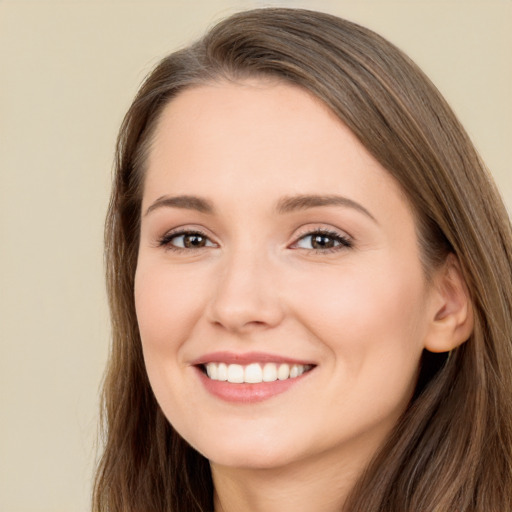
[184, 240]
[323, 240]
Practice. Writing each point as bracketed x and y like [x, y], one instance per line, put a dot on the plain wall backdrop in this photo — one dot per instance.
[68, 71]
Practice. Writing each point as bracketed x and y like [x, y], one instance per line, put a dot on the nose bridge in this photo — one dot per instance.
[245, 293]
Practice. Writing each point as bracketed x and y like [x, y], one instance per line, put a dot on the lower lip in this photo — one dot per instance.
[248, 393]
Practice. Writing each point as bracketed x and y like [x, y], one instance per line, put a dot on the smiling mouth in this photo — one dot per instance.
[254, 373]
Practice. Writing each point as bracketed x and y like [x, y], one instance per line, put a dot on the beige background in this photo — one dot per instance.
[68, 72]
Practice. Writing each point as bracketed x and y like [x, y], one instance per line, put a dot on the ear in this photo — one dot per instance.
[452, 320]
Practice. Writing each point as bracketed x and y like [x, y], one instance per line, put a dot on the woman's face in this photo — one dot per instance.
[278, 253]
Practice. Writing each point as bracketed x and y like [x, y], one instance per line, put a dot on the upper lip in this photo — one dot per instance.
[246, 358]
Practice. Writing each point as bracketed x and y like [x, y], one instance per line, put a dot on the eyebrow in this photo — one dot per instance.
[284, 205]
[185, 202]
[303, 202]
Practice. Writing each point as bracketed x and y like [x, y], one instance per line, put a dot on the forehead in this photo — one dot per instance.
[259, 137]
[261, 114]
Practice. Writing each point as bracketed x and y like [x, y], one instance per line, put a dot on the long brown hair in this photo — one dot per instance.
[452, 449]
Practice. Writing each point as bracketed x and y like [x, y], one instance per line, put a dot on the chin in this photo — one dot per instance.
[248, 453]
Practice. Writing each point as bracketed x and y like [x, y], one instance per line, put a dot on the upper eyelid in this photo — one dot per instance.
[311, 228]
[185, 230]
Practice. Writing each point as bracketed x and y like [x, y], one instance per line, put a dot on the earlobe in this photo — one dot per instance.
[452, 319]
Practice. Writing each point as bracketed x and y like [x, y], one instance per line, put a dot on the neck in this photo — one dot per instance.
[299, 487]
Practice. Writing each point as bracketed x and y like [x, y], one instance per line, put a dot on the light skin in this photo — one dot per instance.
[266, 226]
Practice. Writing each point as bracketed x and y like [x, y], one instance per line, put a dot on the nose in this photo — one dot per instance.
[246, 296]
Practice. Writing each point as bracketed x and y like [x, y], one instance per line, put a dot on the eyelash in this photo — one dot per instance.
[343, 242]
[166, 240]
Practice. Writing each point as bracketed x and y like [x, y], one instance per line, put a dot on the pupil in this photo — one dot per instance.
[194, 241]
[322, 242]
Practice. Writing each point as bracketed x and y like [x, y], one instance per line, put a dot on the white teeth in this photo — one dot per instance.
[212, 371]
[254, 373]
[283, 372]
[294, 371]
[270, 372]
[222, 371]
[235, 373]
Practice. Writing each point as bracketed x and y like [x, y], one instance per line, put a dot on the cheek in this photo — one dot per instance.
[372, 323]
[353, 301]
[168, 305]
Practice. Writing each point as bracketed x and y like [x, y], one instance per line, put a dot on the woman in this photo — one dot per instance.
[309, 276]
